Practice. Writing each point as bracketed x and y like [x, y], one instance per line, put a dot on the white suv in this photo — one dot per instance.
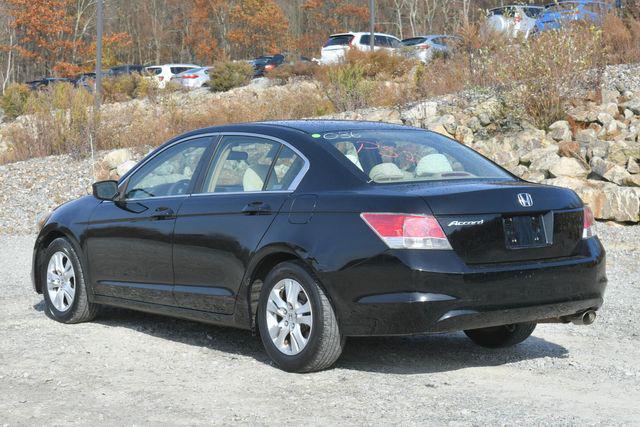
[337, 45]
[163, 73]
[514, 20]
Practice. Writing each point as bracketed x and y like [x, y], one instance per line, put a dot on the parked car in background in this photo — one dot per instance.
[561, 13]
[193, 78]
[425, 47]
[163, 73]
[514, 20]
[47, 81]
[267, 63]
[335, 48]
[86, 80]
[125, 69]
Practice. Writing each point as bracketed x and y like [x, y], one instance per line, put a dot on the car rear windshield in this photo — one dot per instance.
[413, 41]
[342, 40]
[533, 12]
[392, 156]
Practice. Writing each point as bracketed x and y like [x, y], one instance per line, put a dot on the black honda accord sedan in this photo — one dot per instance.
[313, 231]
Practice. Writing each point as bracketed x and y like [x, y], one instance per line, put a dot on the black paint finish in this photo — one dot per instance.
[197, 256]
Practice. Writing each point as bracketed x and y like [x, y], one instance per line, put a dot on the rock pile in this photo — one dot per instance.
[595, 151]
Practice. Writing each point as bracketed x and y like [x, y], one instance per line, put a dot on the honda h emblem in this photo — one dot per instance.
[525, 200]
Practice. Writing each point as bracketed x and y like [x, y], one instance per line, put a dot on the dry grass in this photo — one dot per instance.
[536, 78]
[60, 121]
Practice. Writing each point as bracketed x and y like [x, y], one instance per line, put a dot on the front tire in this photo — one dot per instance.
[297, 323]
[63, 284]
[501, 336]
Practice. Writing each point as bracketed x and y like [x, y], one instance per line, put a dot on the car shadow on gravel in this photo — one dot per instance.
[438, 353]
[393, 355]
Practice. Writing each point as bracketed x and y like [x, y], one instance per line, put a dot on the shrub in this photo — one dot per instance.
[365, 79]
[128, 86]
[14, 100]
[228, 75]
[297, 69]
[59, 123]
[550, 68]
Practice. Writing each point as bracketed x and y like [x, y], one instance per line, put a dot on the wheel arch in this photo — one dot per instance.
[261, 263]
[45, 238]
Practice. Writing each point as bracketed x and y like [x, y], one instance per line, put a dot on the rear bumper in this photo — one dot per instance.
[412, 292]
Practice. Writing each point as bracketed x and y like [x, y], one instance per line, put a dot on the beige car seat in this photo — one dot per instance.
[386, 172]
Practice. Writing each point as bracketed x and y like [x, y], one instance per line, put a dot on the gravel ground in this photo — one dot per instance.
[134, 368]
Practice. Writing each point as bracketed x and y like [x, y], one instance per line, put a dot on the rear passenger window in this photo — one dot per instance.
[241, 164]
[285, 171]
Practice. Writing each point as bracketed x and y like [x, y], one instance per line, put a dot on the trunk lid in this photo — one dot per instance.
[493, 222]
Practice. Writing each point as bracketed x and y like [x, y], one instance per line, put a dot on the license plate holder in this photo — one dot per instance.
[525, 231]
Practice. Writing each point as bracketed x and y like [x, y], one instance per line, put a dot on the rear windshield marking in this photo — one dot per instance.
[336, 135]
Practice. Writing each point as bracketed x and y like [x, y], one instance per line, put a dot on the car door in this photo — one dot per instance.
[129, 241]
[218, 228]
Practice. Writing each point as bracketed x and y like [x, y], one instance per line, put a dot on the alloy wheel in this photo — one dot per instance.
[289, 317]
[61, 281]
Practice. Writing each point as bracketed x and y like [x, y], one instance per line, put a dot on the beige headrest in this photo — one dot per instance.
[253, 178]
[432, 164]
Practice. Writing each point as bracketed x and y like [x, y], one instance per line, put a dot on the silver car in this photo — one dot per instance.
[514, 20]
[193, 78]
[425, 47]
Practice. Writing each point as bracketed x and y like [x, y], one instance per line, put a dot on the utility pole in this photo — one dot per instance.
[97, 96]
[99, 25]
[372, 23]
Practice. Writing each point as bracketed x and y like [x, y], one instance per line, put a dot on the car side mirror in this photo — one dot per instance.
[105, 190]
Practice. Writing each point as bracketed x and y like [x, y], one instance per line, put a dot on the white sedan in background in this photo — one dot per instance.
[336, 47]
[424, 48]
[163, 73]
[193, 78]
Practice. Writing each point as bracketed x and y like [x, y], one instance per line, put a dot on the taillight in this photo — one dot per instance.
[425, 46]
[160, 78]
[269, 67]
[190, 76]
[588, 223]
[406, 231]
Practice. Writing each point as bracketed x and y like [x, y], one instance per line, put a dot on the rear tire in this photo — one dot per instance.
[63, 284]
[501, 336]
[297, 323]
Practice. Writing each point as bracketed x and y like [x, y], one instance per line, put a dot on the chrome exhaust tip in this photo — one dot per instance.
[585, 318]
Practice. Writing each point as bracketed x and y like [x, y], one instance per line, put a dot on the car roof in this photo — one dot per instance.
[581, 2]
[432, 36]
[362, 33]
[309, 126]
[517, 5]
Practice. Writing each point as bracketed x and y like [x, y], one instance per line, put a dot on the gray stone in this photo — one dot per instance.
[586, 136]
[632, 181]
[621, 151]
[539, 153]
[598, 149]
[125, 167]
[464, 135]
[633, 105]
[566, 166]
[560, 131]
[633, 166]
[621, 203]
[417, 114]
[115, 158]
[610, 96]
[506, 158]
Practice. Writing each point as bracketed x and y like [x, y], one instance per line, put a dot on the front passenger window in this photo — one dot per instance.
[168, 173]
